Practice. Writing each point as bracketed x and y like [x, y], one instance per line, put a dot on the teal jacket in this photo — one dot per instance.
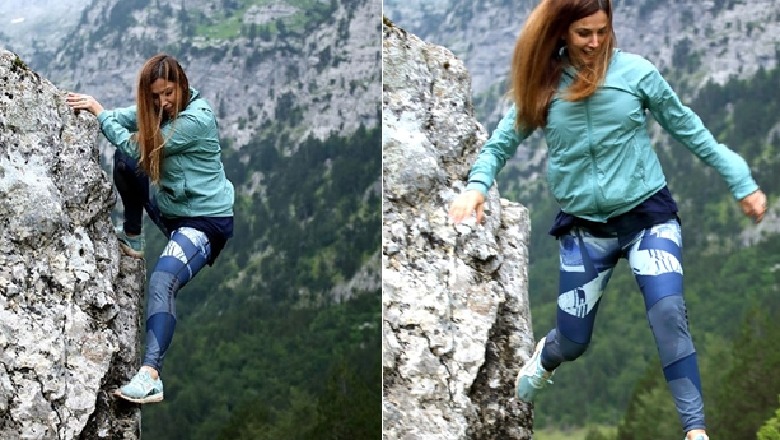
[600, 161]
[192, 179]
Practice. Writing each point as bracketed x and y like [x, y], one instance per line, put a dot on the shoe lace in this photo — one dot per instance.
[144, 380]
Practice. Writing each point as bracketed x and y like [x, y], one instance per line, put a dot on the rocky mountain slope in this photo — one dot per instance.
[722, 37]
[316, 60]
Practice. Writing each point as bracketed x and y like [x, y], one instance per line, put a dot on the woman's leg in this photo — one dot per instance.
[133, 187]
[656, 259]
[185, 255]
[586, 265]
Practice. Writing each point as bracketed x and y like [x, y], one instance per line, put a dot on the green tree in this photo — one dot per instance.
[748, 394]
[771, 429]
[651, 413]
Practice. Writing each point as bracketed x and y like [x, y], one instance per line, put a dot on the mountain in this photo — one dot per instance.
[722, 58]
[34, 30]
[285, 324]
[455, 306]
[699, 41]
[284, 54]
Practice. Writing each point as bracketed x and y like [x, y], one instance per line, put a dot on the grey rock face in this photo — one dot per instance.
[69, 304]
[456, 322]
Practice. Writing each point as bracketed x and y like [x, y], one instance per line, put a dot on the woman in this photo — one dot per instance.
[169, 138]
[590, 100]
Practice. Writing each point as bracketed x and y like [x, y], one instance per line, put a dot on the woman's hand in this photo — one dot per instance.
[466, 204]
[78, 101]
[754, 205]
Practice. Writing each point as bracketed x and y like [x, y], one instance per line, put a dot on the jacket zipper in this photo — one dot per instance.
[594, 168]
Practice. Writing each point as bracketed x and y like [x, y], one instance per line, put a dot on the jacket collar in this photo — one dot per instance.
[194, 94]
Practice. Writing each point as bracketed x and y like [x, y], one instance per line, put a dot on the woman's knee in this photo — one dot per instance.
[163, 287]
[562, 349]
[669, 323]
[668, 314]
[572, 350]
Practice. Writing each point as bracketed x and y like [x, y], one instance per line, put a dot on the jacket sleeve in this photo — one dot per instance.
[183, 132]
[687, 128]
[117, 126]
[501, 146]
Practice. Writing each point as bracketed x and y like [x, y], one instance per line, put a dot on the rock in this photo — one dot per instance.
[456, 321]
[69, 303]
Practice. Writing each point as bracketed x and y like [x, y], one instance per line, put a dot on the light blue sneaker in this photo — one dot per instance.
[142, 388]
[532, 377]
[132, 246]
[698, 437]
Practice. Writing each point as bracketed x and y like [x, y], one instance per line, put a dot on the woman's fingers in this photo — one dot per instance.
[79, 101]
[754, 205]
[466, 204]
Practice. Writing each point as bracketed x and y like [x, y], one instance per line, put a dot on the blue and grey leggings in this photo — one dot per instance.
[185, 255]
[654, 255]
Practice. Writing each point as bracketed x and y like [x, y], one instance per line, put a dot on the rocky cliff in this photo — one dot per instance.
[69, 303]
[456, 323]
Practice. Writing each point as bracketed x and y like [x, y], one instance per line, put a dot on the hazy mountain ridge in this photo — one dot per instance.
[712, 39]
[323, 64]
[34, 29]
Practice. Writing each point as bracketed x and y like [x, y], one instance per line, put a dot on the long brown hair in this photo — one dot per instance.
[150, 116]
[537, 64]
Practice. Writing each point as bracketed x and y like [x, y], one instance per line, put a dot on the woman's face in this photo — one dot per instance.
[585, 37]
[166, 95]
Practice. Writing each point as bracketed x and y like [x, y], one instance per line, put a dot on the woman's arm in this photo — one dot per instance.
[118, 134]
[501, 146]
[687, 128]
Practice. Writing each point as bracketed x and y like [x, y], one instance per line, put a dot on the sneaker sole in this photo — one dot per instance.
[154, 398]
[127, 250]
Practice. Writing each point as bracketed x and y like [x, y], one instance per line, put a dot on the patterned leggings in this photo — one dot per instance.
[654, 255]
[185, 255]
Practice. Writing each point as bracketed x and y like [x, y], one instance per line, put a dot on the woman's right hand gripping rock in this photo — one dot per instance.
[466, 204]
